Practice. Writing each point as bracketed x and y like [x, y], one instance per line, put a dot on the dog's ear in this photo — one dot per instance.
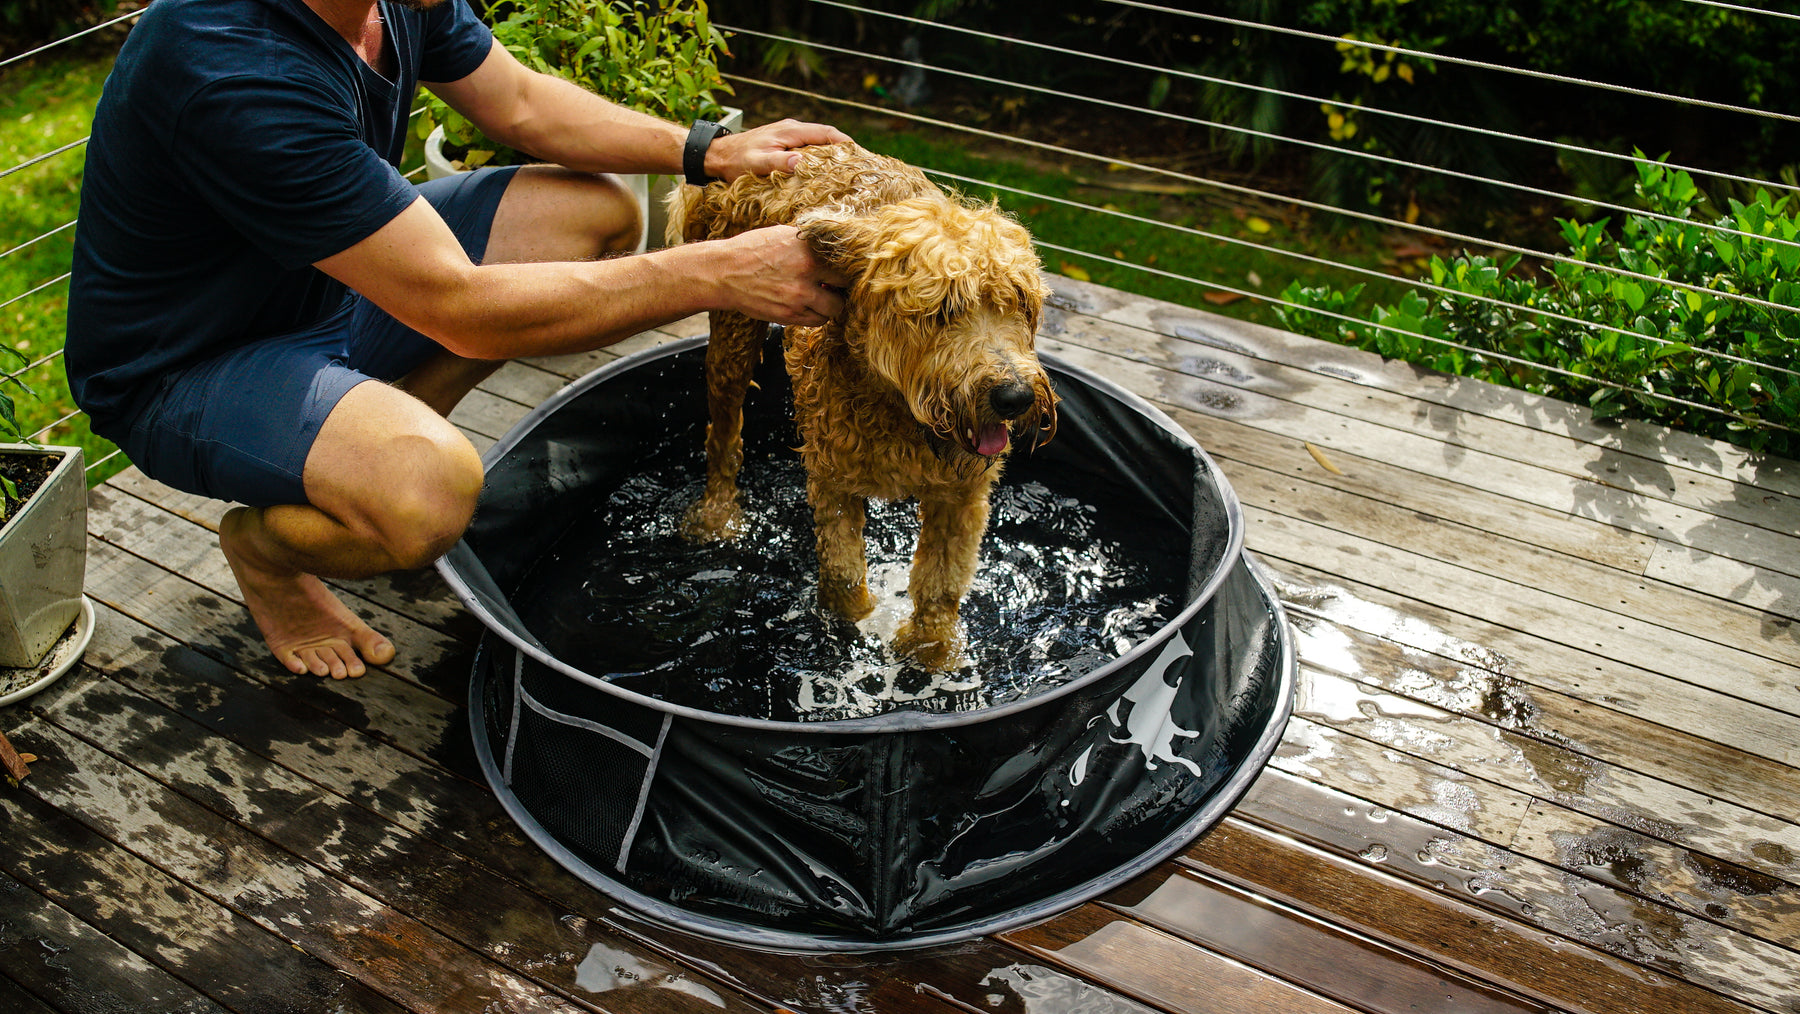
[839, 240]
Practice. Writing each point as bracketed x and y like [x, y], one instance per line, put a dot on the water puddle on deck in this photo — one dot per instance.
[1063, 586]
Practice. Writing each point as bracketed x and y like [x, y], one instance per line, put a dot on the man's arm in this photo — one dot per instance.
[414, 268]
[563, 123]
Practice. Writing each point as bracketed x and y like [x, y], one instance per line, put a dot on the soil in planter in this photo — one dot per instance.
[27, 472]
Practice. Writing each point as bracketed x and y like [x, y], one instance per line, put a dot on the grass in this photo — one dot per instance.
[44, 105]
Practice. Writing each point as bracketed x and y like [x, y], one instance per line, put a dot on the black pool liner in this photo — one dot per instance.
[909, 827]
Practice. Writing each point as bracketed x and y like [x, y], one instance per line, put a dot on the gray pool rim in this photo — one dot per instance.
[892, 721]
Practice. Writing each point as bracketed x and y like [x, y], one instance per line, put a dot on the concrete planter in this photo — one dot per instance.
[651, 190]
[43, 560]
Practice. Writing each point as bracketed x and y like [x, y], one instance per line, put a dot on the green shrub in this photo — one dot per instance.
[1666, 341]
[660, 59]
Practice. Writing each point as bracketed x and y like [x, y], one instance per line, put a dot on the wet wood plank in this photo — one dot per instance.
[1465, 936]
[1609, 590]
[214, 950]
[1728, 519]
[1640, 923]
[1481, 686]
[1748, 672]
[1465, 397]
[1235, 444]
[1309, 952]
[54, 956]
[1162, 969]
[1414, 622]
[424, 890]
[15, 998]
[974, 975]
[1542, 768]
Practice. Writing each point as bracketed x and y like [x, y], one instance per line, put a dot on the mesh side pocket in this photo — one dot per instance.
[583, 780]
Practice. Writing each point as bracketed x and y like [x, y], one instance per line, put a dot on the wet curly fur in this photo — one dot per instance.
[918, 392]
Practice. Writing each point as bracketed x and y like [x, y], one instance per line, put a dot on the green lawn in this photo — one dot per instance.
[44, 105]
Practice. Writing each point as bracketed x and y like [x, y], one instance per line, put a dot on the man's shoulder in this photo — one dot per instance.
[182, 48]
[226, 36]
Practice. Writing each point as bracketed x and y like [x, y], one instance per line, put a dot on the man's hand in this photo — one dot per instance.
[766, 149]
[772, 274]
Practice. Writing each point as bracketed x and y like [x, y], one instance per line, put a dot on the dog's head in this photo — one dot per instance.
[944, 305]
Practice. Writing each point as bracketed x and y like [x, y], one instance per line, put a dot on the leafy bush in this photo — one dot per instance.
[657, 58]
[1667, 341]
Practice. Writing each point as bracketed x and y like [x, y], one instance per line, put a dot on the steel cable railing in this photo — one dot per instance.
[1448, 236]
[1311, 100]
[1318, 261]
[1540, 75]
[1458, 238]
[1726, 231]
[17, 376]
[1214, 285]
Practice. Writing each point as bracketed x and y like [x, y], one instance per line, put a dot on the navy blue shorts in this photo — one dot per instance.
[239, 426]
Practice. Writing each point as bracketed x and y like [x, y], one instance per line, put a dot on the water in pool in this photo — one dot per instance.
[1065, 584]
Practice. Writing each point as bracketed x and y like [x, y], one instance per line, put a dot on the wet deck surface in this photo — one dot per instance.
[1543, 755]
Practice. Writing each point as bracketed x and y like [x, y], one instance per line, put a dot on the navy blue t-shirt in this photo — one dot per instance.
[236, 143]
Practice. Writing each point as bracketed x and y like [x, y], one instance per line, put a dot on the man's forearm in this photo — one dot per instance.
[562, 123]
[506, 311]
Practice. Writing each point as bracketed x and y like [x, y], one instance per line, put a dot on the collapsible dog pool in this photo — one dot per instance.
[682, 728]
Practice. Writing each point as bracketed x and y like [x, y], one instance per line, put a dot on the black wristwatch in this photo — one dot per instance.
[693, 154]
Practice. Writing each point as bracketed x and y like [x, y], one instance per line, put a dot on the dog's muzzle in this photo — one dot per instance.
[1012, 400]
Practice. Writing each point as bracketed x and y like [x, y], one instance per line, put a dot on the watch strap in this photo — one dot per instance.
[693, 154]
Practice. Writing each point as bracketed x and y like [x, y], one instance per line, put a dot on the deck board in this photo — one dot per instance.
[1543, 756]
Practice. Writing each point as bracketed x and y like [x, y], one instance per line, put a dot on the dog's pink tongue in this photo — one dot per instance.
[992, 441]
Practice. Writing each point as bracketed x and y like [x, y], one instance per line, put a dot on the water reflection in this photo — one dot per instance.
[1065, 584]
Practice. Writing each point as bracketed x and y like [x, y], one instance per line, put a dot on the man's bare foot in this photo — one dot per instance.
[302, 622]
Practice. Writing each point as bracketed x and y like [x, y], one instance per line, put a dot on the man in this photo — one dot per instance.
[263, 310]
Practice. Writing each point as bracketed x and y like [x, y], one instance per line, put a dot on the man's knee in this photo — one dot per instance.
[427, 511]
[551, 214]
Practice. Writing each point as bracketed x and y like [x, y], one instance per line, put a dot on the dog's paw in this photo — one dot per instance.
[709, 520]
[852, 602]
[936, 651]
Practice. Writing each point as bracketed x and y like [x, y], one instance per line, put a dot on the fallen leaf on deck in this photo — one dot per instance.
[1324, 462]
[1075, 271]
[12, 762]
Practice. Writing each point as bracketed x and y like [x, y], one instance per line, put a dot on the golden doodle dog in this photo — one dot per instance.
[918, 392]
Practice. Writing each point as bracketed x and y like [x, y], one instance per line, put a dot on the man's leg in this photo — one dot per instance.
[390, 484]
[547, 214]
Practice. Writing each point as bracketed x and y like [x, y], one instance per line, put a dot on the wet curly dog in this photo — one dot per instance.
[919, 392]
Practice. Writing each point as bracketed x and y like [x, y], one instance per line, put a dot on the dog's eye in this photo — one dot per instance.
[945, 314]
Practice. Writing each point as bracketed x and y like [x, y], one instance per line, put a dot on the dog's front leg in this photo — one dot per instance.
[950, 530]
[838, 520]
[731, 356]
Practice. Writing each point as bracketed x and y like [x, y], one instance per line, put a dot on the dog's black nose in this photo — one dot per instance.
[1012, 400]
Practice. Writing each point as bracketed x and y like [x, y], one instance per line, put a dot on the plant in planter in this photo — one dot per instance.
[656, 58]
[43, 542]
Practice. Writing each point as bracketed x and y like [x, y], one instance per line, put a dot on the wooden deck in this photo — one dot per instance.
[1543, 757]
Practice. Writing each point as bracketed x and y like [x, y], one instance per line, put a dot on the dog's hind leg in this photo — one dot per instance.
[732, 353]
[943, 567]
[838, 520]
